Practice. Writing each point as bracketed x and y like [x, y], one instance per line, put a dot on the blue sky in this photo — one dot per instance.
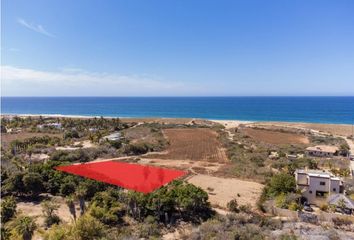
[177, 48]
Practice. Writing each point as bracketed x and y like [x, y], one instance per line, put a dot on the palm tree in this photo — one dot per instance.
[70, 202]
[24, 226]
[80, 194]
[29, 153]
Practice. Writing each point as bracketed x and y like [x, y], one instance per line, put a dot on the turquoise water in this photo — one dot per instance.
[292, 109]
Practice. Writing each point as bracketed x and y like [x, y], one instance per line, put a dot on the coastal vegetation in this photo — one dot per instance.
[232, 171]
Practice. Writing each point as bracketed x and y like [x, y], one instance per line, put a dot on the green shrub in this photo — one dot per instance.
[288, 201]
[280, 201]
[8, 208]
[33, 183]
[51, 220]
[324, 207]
[281, 183]
[105, 207]
[294, 206]
[247, 208]
[48, 209]
[70, 156]
[287, 237]
[71, 134]
[57, 232]
[233, 205]
[88, 228]
[149, 228]
[67, 188]
[137, 148]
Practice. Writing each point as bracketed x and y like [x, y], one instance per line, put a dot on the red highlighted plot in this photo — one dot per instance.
[141, 178]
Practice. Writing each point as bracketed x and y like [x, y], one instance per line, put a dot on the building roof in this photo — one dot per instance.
[113, 136]
[50, 125]
[317, 173]
[323, 148]
[336, 198]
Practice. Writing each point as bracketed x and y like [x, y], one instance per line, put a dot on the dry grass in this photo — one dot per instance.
[335, 129]
[143, 134]
[196, 144]
[187, 165]
[136, 133]
[223, 190]
[275, 137]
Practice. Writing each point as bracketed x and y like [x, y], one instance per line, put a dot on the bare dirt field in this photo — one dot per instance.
[197, 144]
[275, 137]
[223, 190]
[187, 165]
[335, 129]
[7, 138]
[34, 209]
[77, 145]
[137, 134]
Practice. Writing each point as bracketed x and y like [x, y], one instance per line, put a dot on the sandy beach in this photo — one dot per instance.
[331, 128]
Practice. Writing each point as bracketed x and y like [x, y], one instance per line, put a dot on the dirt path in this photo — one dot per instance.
[351, 146]
[85, 144]
[191, 166]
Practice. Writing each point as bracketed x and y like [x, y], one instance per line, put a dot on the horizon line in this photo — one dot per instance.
[191, 96]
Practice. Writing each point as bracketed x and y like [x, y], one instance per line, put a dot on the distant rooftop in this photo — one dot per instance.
[113, 137]
[56, 125]
[323, 148]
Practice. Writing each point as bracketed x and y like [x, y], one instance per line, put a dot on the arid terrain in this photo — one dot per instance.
[7, 138]
[229, 161]
[196, 144]
[335, 129]
[34, 209]
[276, 137]
[199, 151]
[223, 190]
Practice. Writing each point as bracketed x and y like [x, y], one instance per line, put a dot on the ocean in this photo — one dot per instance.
[290, 109]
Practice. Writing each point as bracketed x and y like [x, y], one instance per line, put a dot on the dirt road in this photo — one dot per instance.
[351, 146]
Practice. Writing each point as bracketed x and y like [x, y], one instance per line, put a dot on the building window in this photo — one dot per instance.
[310, 192]
[321, 194]
[322, 183]
[334, 189]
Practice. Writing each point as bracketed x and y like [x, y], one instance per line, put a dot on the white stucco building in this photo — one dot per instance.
[322, 151]
[112, 137]
[53, 125]
[317, 185]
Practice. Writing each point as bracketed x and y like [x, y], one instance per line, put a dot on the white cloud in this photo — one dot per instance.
[14, 49]
[77, 82]
[34, 27]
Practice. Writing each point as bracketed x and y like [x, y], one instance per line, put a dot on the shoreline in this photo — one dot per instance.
[338, 129]
[221, 121]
